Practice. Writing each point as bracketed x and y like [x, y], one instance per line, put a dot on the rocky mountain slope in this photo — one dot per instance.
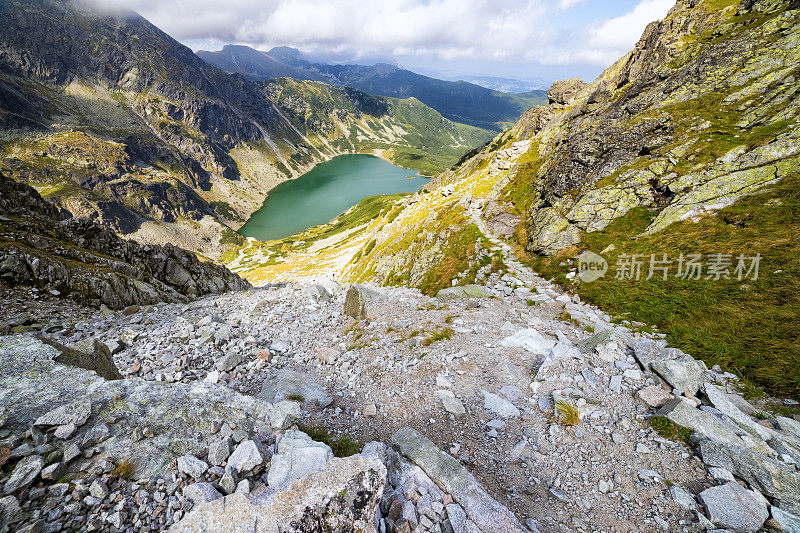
[232, 409]
[76, 258]
[115, 121]
[687, 145]
[459, 101]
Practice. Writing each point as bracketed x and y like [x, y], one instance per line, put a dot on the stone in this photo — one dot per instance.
[229, 362]
[683, 375]
[24, 474]
[457, 517]
[76, 413]
[721, 402]
[787, 425]
[683, 498]
[192, 466]
[287, 384]
[648, 351]
[201, 493]
[370, 410]
[284, 414]
[115, 346]
[219, 451]
[245, 457]
[451, 404]
[10, 511]
[97, 434]
[71, 452]
[531, 340]
[499, 405]
[765, 474]
[703, 424]
[653, 396]
[212, 377]
[788, 522]
[64, 432]
[343, 496]
[356, 299]
[463, 291]
[227, 482]
[453, 478]
[54, 471]
[297, 456]
[734, 507]
[98, 489]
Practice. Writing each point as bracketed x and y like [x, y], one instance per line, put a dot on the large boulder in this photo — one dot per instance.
[733, 507]
[682, 374]
[356, 299]
[287, 384]
[341, 497]
[564, 92]
[298, 455]
[452, 477]
[766, 474]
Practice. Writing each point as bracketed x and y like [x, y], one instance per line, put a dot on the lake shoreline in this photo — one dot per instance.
[327, 190]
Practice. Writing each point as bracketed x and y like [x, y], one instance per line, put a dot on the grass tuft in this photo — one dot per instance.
[568, 414]
[670, 430]
[342, 445]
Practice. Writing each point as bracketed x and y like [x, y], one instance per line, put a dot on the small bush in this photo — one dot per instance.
[295, 398]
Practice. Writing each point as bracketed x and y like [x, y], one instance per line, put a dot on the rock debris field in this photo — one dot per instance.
[300, 407]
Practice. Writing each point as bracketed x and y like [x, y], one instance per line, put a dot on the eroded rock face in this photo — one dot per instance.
[98, 267]
[636, 137]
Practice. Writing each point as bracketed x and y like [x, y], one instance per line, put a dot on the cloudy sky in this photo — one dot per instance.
[524, 39]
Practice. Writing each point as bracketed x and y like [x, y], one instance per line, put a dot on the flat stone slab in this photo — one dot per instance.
[531, 340]
[463, 291]
[287, 384]
[451, 476]
[343, 496]
[734, 507]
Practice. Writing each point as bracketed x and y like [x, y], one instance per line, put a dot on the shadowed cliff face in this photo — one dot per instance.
[43, 246]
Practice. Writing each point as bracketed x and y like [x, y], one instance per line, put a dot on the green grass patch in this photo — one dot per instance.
[341, 445]
[438, 335]
[750, 326]
[670, 430]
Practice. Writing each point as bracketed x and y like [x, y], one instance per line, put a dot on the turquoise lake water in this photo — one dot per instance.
[326, 191]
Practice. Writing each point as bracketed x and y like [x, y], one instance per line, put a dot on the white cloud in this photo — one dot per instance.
[524, 31]
[619, 32]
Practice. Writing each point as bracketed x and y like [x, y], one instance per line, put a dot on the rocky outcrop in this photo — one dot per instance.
[80, 259]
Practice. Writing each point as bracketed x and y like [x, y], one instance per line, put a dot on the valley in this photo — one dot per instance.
[570, 311]
[326, 191]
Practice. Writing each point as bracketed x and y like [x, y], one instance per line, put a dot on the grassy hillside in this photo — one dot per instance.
[407, 132]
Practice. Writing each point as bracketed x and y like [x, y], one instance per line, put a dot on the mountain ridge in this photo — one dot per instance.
[459, 101]
[114, 120]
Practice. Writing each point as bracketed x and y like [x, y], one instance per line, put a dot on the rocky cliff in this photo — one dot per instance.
[43, 246]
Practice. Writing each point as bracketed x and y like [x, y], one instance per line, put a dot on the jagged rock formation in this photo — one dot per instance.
[116, 121]
[702, 111]
[82, 260]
